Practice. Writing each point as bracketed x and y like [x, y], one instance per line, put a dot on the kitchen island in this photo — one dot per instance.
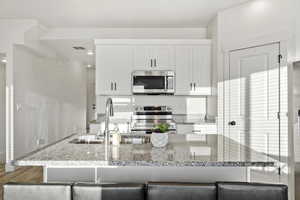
[190, 157]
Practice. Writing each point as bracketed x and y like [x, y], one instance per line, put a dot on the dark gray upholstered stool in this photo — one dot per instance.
[19, 191]
[109, 192]
[181, 191]
[251, 191]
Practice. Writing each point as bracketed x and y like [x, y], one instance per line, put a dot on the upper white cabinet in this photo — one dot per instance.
[184, 70]
[193, 69]
[117, 58]
[154, 57]
[113, 69]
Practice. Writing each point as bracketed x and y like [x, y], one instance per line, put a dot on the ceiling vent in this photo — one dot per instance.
[78, 48]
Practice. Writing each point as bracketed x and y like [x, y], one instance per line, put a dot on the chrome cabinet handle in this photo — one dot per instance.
[111, 86]
[151, 63]
[115, 85]
[155, 63]
[191, 85]
[195, 86]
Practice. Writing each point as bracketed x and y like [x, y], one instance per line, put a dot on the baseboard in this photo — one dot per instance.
[9, 167]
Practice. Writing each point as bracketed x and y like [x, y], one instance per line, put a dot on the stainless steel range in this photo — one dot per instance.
[145, 118]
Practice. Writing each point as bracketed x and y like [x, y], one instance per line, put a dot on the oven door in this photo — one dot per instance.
[149, 84]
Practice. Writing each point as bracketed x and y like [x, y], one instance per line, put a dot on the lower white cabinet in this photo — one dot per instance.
[197, 128]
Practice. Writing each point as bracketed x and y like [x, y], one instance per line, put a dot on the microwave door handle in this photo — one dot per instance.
[299, 122]
[166, 83]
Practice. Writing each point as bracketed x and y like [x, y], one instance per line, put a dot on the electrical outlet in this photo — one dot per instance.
[40, 142]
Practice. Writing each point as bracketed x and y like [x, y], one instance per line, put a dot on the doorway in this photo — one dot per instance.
[296, 100]
[255, 108]
[2, 106]
[253, 98]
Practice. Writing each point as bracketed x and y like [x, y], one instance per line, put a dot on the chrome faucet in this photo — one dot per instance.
[109, 112]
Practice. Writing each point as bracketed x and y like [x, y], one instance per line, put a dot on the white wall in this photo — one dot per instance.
[2, 112]
[297, 21]
[12, 32]
[256, 21]
[212, 33]
[50, 99]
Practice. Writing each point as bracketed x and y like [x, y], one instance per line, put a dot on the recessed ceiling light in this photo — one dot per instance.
[4, 60]
[90, 52]
[89, 66]
[259, 5]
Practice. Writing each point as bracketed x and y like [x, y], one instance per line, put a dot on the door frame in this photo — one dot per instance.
[2, 57]
[287, 60]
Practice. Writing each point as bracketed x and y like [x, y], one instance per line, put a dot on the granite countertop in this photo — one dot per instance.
[182, 151]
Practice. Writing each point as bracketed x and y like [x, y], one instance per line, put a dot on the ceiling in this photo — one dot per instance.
[116, 13]
[65, 48]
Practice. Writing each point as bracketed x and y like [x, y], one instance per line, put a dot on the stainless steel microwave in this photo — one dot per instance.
[158, 82]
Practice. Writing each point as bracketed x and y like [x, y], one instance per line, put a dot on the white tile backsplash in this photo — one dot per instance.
[180, 104]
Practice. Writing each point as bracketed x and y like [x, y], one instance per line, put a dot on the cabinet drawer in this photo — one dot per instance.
[197, 128]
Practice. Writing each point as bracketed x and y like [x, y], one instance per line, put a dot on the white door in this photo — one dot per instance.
[113, 70]
[201, 61]
[252, 101]
[2, 111]
[183, 70]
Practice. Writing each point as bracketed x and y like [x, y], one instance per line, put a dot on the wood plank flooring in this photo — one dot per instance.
[21, 174]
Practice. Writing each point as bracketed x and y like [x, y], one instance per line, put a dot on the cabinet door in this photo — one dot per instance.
[184, 129]
[183, 70]
[142, 57]
[122, 70]
[201, 61]
[164, 57]
[104, 79]
[113, 70]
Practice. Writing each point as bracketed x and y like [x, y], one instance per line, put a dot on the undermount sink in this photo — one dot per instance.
[125, 139]
[88, 139]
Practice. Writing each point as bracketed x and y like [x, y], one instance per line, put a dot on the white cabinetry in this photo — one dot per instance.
[154, 57]
[116, 59]
[197, 129]
[193, 69]
[113, 69]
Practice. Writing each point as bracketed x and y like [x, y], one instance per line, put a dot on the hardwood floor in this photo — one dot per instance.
[21, 174]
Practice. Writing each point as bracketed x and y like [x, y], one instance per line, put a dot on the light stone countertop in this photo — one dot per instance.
[182, 151]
